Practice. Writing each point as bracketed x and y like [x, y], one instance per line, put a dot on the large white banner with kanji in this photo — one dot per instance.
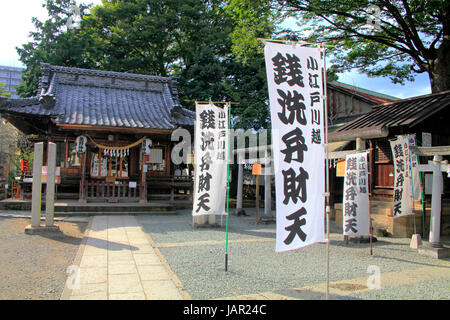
[211, 159]
[355, 204]
[406, 179]
[294, 75]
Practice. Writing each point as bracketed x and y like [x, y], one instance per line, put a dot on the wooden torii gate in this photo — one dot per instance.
[265, 158]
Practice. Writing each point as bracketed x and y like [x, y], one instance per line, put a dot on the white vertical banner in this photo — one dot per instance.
[402, 179]
[355, 204]
[414, 167]
[294, 75]
[211, 160]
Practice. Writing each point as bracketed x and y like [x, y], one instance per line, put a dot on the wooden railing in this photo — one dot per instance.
[173, 184]
[111, 191]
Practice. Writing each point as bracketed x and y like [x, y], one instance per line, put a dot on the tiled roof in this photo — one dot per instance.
[103, 98]
[363, 93]
[401, 113]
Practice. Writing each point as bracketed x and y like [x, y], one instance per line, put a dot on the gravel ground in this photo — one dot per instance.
[422, 290]
[255, 267]
[34, 266]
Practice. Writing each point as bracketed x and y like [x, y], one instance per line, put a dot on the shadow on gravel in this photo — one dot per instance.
[64, 238]
[378, 243]
[240, 228]
[312, 295]
[415, 262]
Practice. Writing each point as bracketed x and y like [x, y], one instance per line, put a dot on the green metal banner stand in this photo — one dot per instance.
[228, 186]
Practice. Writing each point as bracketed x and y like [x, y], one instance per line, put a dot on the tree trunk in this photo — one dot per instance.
[440, 69]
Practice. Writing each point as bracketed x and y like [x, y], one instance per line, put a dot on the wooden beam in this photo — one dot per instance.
[73, 127]
[340, 154]
[431, 151]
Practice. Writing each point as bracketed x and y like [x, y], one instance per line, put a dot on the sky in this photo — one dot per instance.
[16, 24]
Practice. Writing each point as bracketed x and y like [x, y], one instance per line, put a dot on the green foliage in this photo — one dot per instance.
[395, 39]
[3, 92]
[187, 39]
[54, 43]
[254, 19]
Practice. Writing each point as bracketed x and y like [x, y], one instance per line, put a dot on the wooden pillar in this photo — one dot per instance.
[360, 144]
[371, 168]
[239, 186]
[82, 196]
[267, 194]
[257, 198]
[143, 197]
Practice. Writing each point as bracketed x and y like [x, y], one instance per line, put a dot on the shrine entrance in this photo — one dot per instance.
[113, 171]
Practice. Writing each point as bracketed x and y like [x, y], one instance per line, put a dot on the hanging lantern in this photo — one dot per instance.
[147, 146]
[81, 144]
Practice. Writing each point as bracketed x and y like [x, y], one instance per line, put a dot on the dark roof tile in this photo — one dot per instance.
[103, 98]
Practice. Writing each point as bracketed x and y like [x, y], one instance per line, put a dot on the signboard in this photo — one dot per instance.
[355, 204]
[256, 169]
[426, 139]
[294, 76]
[156, 156]
[340, 168]
[211, 159]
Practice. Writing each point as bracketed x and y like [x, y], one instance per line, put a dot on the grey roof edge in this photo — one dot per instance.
[425, 96]
[46, 67]
[187, 115]
[364, 91]
[364, 133]
[6, 103]
[346, 91]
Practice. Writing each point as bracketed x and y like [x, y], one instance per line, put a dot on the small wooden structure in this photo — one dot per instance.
[116, 112]
[423, 116]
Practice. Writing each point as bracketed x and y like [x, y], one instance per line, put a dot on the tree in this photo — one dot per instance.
[395, 39]
[186, 39]
[253, 19]
[3, 92]
[55, 43]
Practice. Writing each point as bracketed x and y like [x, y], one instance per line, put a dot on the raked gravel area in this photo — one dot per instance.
[33, 267]
[196, 255]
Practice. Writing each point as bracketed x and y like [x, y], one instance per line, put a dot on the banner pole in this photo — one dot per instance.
[412, 185]
[228, 187]
[327, 186]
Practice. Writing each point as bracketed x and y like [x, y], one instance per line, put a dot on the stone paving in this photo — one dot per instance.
[116, 261]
